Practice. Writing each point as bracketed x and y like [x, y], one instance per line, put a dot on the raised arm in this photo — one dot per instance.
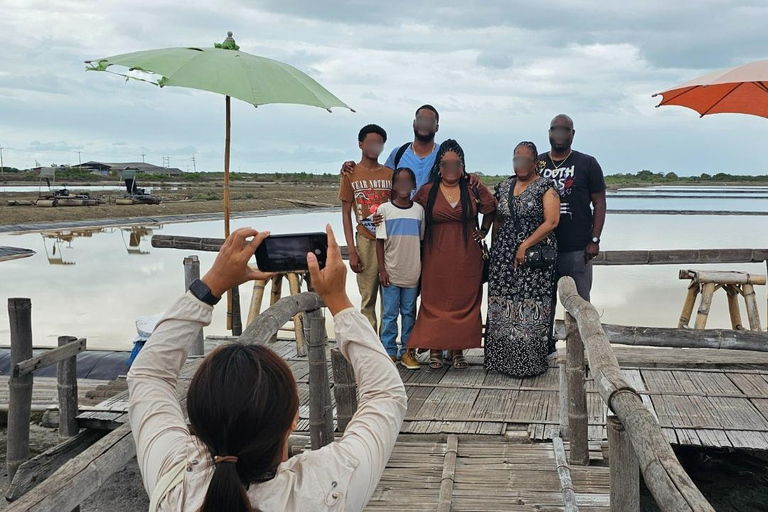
[157, 421]
[371, 434]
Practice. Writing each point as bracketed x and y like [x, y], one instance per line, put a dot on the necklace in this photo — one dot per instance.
[448, 191]
[561, 163]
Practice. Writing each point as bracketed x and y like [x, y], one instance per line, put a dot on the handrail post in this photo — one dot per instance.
[66, 382]
[192, 272]
[344, 389]
[561, 357]
[320, 410]
[20, 388]
[624, 468]
[577, 394]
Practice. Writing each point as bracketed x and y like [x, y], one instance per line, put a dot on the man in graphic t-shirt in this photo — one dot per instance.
[363, 190]
[579, 180]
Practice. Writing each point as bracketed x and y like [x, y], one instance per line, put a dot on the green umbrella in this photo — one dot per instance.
[224, 70]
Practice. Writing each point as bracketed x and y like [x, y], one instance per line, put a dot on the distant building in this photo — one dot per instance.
[105, 169]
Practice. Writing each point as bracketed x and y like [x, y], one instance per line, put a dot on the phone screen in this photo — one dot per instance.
[288, 253]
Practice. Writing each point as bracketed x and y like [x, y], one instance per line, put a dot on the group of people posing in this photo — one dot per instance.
[422, 221]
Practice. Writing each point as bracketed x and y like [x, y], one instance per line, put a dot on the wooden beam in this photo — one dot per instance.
[192, 273]
[66, 384]
[37, 469]
[721, 277]
[564, 472]
[19, 386]
[666, 257]
[320, 410]
[577, 395]
[445, 498]
[679, 338]
[344, 389]
[48, 358]
[670, 485]
[81, 476]
[624, 471]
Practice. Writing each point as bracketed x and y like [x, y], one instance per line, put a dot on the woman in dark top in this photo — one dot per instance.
[452, 263]
[520, 297]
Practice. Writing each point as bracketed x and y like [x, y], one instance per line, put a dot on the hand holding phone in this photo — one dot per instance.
[231, 266]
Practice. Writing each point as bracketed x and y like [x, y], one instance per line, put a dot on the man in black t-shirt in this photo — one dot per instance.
[579, 180]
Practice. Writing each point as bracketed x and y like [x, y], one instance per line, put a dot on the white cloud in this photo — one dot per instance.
[497, 71]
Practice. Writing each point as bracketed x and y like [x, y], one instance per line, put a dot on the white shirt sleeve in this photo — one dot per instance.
[158, 424]
[381, 229]
[373, 430]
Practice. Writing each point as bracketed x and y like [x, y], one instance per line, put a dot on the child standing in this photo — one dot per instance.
[364, 189]
[398, 248]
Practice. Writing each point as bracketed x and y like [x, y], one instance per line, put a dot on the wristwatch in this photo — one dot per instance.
[200, 290]
[595, 240]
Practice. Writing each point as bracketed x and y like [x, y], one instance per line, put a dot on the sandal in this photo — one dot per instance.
[435, 359]
[460, 362]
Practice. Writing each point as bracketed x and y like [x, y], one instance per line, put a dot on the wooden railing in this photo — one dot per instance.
[635, 437]
[82, 475]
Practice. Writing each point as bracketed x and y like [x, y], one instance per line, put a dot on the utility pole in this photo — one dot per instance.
[166, 161]
[142, 158]
[2, 167]
[194, 165]
[79, 160]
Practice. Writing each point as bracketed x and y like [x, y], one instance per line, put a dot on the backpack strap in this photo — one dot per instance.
[400, 153]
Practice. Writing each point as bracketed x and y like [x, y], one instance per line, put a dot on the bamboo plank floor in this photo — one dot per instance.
[45, 392]
[488, 475]
[700, 397]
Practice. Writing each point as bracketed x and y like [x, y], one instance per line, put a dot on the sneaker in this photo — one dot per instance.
[409, 361]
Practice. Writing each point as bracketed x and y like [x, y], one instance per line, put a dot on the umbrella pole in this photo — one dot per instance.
[226, 202]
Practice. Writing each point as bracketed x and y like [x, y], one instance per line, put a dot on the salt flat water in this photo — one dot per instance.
[95, 283]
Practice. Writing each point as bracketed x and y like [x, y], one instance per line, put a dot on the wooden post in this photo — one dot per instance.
[445, 497]
[561, 357]
[577, 395]
[752, 313]
[237, 319]
[227, 130]
[66, 382]
[344, 389]
[20, 388]
[294, 285]
[191, 273]
[256, 300]
[320, 410]
[708, 289]
[690, 301]
[564, 472]
[275, 293]
[625, 471]
[733, 305]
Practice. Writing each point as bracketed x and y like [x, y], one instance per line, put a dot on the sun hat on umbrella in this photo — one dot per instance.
[739, 90]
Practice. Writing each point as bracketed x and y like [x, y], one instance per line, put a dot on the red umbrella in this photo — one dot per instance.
[739, 90]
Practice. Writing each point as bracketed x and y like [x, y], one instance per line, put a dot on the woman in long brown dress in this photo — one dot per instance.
[452, 267]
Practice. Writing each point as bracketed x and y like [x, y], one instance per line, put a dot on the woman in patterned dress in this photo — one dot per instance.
[520, 303]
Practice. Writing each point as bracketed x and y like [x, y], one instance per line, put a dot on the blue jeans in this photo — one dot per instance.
[400, 301]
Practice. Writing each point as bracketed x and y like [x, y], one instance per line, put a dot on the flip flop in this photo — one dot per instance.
[435, 361]
[460, 362]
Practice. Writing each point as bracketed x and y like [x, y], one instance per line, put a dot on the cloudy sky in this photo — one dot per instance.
[497, 70]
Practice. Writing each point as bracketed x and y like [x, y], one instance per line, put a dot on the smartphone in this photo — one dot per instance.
[288, 253]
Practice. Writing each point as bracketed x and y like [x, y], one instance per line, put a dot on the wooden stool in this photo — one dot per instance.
[734, 284]
[294, 285]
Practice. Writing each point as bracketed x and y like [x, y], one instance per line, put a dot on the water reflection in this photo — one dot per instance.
[102, 295]
[139, 238]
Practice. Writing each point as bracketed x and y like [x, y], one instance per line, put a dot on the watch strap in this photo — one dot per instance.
[201, 291]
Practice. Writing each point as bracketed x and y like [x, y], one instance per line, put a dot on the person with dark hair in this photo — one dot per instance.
[452, 268]
[363, 190]
[398, 247]
[519, 292]
[420, 154]
[581, 185]
[243, 404]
